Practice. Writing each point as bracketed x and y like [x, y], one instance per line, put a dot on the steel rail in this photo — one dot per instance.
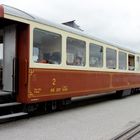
[129, 133]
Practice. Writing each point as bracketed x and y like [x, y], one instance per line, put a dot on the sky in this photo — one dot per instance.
[115, 21]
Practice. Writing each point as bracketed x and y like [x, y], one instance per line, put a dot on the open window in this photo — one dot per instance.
[111, 58]
[131, 62]
[95, 55]
[138, 63]
[122, 60]
[46, 47]
[76, 52]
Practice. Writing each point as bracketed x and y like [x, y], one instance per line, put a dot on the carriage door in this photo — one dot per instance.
[9, 55]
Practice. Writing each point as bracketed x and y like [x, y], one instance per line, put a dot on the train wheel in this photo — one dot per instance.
[62, 103]
[123, 93]
[133, 91]
[31, 108]
[137, 90]
[56, 105]
[50, 106]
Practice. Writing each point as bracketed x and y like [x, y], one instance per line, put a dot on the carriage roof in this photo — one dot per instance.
[24, 15]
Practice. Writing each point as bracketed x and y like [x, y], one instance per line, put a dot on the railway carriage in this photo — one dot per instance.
[47, 63]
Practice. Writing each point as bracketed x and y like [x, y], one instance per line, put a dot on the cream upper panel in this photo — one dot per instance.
[66, 34]
[64, 37]
[63, 64]
[7, 16]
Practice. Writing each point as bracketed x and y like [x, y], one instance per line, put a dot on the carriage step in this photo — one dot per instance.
[9, 104]
[14, 115]
[4, 93]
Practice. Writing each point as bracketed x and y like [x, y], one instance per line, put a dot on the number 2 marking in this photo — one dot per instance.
[53, 81]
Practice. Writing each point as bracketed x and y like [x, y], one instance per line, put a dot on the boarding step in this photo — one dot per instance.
[14, 115]
[6, 97]
[9, 104]
[4, 93]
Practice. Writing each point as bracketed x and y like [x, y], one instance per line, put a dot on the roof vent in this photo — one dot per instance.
[72, 24]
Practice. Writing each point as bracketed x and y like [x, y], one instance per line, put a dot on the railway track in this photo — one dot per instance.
[132, 133]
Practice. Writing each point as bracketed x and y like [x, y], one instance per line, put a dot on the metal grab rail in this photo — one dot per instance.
[1, 71]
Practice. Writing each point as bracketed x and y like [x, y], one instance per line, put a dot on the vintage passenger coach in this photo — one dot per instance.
[47, 64]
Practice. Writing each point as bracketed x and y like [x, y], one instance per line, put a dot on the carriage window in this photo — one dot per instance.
[46, 47]
[95, 55]
[1, 64]
[76, 52]
[138, 63]
[1, 54]
[122, 61]
[111, 56]
[131, 62]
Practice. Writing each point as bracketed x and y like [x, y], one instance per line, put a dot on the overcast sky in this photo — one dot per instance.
[116, 21]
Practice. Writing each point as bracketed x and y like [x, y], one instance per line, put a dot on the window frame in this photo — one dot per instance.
[131, 68]
[116, 59]
[53, 33]
[102, 54]
[120, 51]
[84, 52]
[64, 34]
[137, 62]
